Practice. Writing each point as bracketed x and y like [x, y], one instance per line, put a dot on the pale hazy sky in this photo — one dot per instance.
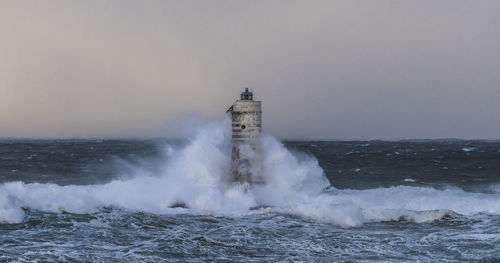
[323, 69]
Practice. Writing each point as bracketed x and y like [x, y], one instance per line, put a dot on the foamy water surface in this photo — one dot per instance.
[297, 215]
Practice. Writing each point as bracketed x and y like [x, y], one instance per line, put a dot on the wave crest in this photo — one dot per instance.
[196, 176]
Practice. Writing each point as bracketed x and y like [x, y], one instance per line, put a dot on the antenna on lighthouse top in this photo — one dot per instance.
[246, 95]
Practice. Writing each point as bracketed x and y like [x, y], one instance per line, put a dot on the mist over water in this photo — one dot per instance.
[297, 194]
[196, 175]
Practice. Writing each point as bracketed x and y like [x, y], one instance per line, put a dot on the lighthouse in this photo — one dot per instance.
[246, 116]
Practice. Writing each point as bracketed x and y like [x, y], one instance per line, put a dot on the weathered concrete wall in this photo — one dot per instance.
[246, 129]
[246, 120]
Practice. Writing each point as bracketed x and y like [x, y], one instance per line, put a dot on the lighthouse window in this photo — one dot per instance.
[243, 127]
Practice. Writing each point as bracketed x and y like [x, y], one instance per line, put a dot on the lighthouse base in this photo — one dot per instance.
[246, 166]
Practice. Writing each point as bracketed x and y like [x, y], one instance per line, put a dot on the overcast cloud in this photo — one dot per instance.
[323, 69]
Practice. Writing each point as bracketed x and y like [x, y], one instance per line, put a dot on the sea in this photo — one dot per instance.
[170, 200]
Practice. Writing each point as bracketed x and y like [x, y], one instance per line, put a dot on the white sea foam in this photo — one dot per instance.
[468, 149]
[495, 188]
[9, 212]
[417, 204]
[197, 176]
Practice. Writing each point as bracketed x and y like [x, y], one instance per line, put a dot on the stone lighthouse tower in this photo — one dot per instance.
[246, 115]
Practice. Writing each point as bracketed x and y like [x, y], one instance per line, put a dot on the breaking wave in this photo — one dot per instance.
[196, 175]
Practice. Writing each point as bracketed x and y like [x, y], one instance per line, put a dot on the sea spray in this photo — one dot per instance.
[196, 175]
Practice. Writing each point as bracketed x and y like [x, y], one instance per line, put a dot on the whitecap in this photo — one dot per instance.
[468, 149]
[197, 175]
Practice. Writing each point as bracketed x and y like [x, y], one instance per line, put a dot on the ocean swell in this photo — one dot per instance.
[196, 176]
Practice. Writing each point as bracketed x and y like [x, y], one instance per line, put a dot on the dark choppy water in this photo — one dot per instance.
[108, 201]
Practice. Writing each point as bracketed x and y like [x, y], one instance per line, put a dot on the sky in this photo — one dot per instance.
[324, 69]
